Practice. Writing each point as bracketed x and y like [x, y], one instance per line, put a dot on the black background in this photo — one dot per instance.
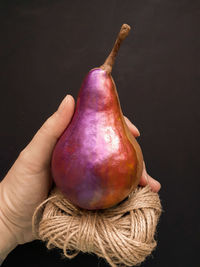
[46, 49]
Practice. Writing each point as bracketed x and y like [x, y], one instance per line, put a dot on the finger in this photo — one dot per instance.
[147, 179]
[41, 147]
[134, 130]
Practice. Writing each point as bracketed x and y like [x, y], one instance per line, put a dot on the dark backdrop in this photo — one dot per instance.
[46, 49]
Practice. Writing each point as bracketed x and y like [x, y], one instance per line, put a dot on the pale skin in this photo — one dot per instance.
[29, 180]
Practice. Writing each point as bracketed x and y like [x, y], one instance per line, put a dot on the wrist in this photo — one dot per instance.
[7, 238]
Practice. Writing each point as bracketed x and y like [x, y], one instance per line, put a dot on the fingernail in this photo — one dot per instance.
[66, 98]
[62, 103]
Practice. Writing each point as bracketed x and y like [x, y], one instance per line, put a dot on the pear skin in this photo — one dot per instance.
[97, 162]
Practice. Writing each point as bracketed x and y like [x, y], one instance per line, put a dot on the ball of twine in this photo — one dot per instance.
[123, 234]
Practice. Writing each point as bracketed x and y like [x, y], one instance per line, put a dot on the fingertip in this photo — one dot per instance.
[147, 179]
[157, 186]
[135, 129]
[132, 127]
[68, 101]
[154, 184]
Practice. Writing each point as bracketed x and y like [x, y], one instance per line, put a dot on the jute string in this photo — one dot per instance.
[123, 234]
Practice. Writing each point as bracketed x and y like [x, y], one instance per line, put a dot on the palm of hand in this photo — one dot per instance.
[25, 187]
[28, 181]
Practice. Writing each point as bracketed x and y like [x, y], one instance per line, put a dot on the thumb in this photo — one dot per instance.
[38, 151]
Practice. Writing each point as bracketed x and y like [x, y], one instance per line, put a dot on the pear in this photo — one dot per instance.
[97, 162]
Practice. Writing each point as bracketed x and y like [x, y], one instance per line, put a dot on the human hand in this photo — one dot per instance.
[29, 180]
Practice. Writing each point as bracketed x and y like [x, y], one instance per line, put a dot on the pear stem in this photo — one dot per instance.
[108, 64]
